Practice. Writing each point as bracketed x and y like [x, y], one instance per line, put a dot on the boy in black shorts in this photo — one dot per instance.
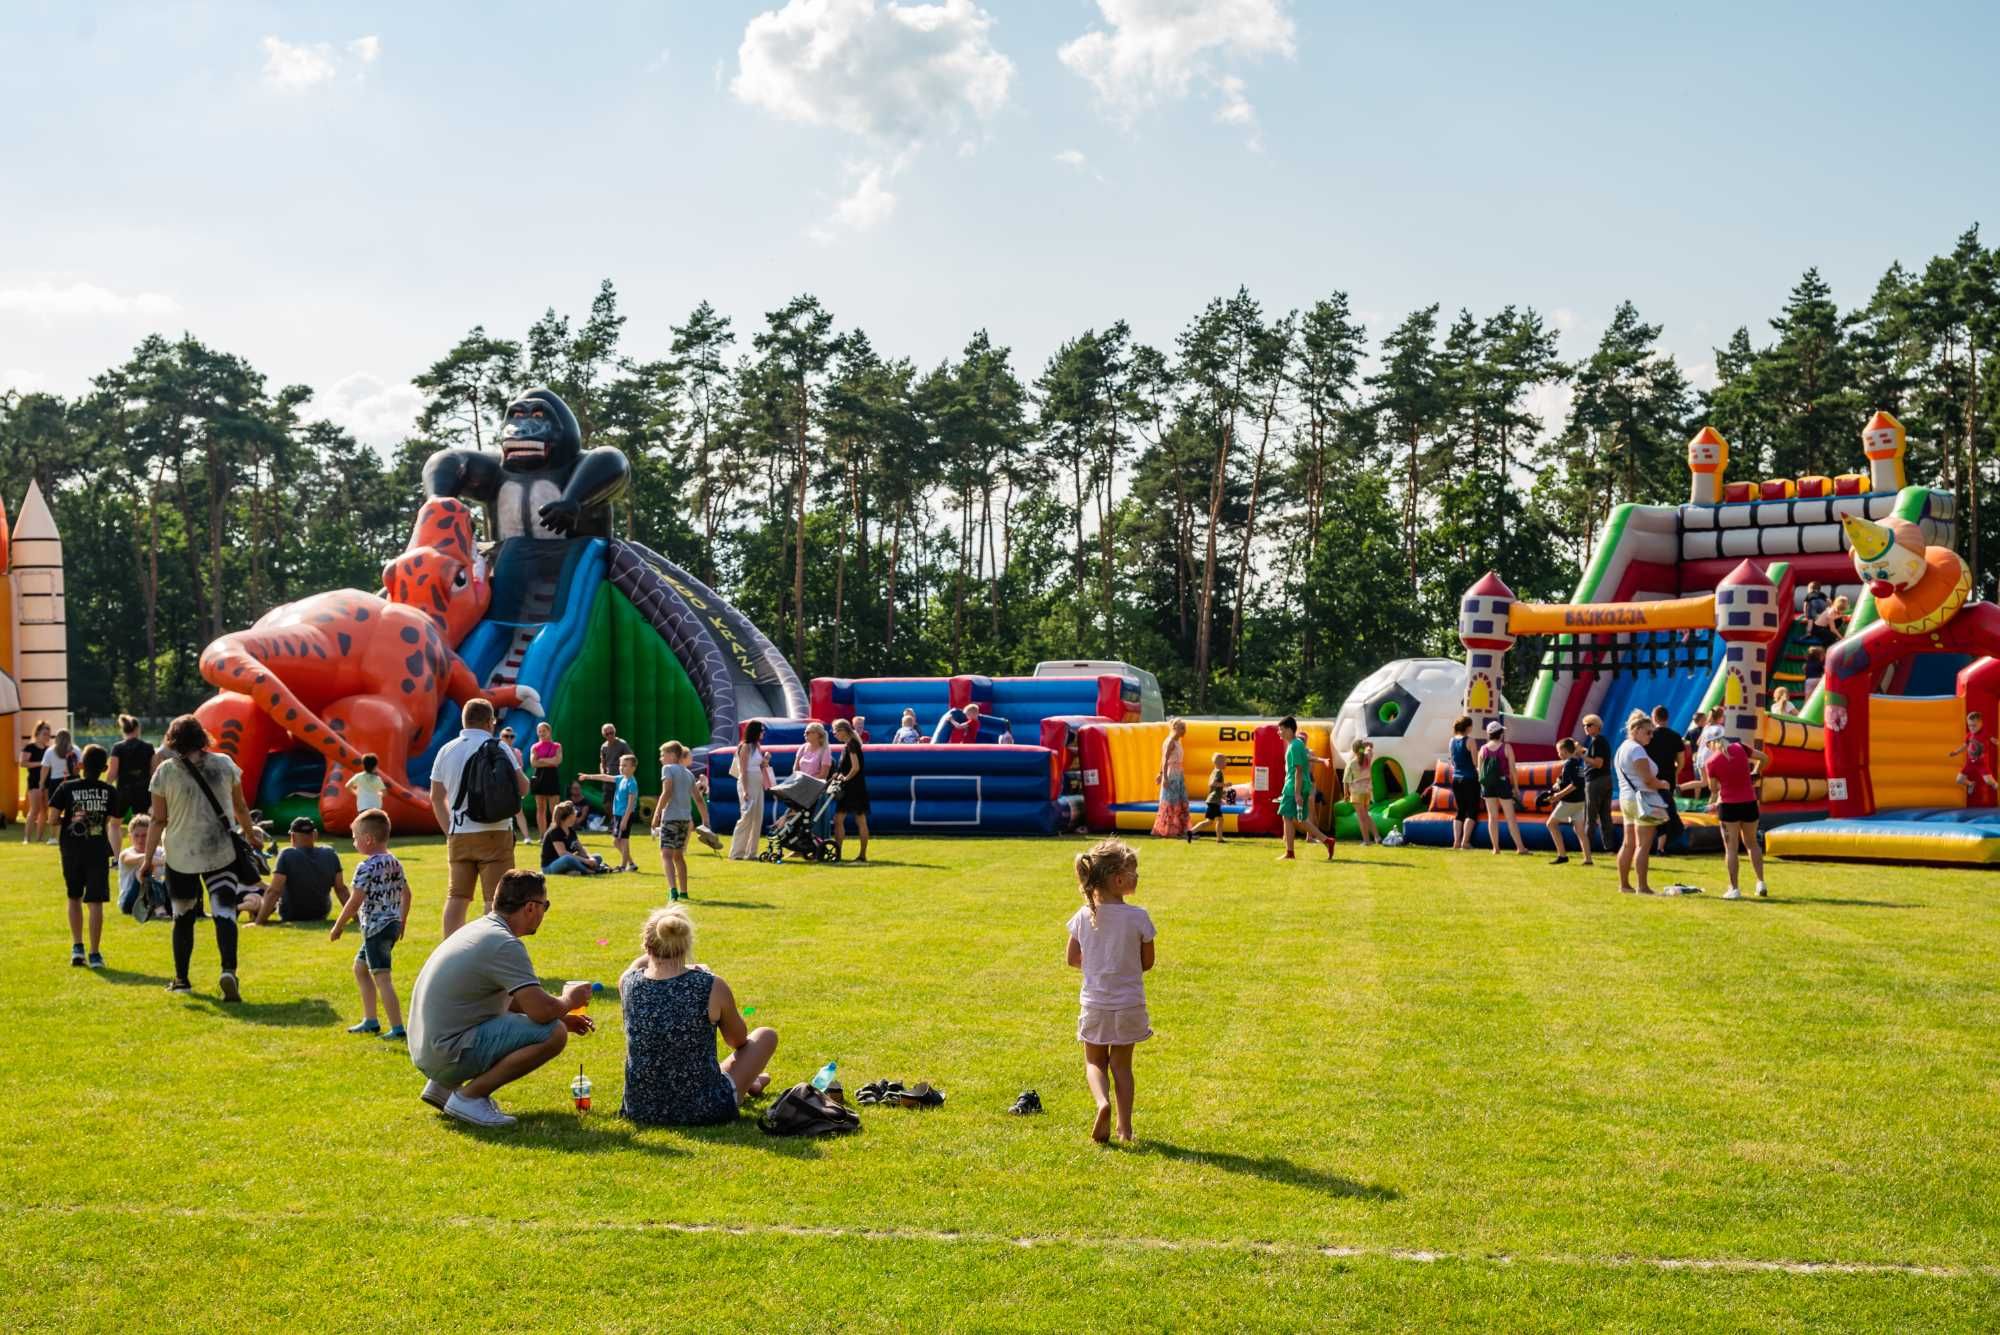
[82, 808]
[1218, 794]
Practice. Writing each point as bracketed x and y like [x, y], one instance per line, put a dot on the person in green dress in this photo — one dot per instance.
[1295, 802]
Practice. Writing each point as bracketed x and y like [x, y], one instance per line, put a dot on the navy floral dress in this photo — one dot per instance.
[671, 1075]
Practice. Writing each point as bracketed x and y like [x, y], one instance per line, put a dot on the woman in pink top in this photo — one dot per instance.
[545, 775]
[1730, 773]
[815, 757]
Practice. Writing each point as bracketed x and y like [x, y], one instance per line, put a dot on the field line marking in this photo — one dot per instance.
[1724, 1264]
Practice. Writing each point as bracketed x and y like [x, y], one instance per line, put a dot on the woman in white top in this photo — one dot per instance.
[201, 854]
[752, 769]
[1641, 802]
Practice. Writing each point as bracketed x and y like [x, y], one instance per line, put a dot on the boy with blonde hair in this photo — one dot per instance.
[382, 898]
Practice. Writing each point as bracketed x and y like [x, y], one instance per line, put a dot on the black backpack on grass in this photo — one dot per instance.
[487, 792]
[805, 1111]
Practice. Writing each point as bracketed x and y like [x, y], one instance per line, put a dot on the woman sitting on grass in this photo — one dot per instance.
[563, 852]
[673, 1008]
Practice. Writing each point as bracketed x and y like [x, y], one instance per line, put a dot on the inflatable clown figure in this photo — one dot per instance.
[1922, 597]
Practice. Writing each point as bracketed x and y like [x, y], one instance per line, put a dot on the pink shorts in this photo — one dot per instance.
[1110, 1028]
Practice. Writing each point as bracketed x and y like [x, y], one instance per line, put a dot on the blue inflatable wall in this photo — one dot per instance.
[928, 789]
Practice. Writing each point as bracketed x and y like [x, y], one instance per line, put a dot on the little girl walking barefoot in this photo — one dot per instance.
[1112, 942]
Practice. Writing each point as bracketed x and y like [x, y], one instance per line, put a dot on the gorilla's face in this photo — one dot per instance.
[527, 438]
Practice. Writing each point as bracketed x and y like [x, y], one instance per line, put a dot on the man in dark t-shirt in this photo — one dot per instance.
[305, 879]
[1664, 750]
[1597, 754]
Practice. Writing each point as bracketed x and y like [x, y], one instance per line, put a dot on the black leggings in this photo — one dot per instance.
[225, 943]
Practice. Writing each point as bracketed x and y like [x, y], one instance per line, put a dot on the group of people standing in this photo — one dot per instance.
[1643, 773]
[751, 768]
[1295, 798]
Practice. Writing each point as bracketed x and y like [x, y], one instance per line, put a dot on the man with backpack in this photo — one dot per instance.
[476, 789]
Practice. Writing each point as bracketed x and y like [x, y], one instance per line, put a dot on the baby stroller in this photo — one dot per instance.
[803, 798]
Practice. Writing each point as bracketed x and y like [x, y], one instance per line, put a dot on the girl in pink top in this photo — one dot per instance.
[1730, 774]
[1112, 942]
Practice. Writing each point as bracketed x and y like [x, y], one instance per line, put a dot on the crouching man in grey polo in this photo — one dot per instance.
[479, 1018]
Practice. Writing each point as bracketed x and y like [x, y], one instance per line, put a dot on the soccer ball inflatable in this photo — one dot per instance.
[1406, 708]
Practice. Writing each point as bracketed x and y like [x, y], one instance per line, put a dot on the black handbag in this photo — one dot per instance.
[244, 868]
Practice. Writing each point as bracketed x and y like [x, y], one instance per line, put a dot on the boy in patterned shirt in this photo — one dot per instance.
[381, 895]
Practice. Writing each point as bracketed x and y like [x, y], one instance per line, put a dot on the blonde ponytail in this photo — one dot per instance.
[1097, 866]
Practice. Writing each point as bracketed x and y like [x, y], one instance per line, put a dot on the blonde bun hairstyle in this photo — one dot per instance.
[668, 934]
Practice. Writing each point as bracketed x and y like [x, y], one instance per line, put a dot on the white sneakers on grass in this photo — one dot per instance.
[479, 1112]
[1732, 893]
[436, 1092]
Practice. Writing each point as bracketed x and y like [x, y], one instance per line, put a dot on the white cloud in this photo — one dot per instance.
[1157, 50]
[1071, 157]
[896, 75]
[892, 72]
[80, 301]
[295, 67]
[21, 380]
[372, 411]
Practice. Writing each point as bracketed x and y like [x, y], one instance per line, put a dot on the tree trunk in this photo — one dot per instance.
[895, 564]
[958, 583]
[1249, 532]
[799, 548]
[1205, 605]
[1410, 511]
[992, 561]
[149, 581]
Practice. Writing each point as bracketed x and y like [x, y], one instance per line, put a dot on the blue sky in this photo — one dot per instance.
[338, 191]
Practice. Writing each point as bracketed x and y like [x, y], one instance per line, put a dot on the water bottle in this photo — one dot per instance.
[825, 1076]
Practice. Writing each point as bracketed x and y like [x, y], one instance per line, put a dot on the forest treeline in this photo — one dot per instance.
[1260, 512]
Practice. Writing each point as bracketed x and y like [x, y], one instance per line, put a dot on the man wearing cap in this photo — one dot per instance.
[304, 882]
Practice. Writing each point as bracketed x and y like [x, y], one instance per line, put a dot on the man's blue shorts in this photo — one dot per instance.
[493, 1040]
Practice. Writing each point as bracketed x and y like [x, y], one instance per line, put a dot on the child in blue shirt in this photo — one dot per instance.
[382, 897]
[624, 806]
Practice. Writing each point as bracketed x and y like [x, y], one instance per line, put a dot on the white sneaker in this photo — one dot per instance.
[1732, 893]
[437, 1092]
[1670, 889]
[1762, 893]
[479, 1112]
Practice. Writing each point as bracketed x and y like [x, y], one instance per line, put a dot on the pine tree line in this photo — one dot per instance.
[1260, 513]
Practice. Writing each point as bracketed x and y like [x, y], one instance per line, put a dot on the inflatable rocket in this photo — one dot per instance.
[34, 635]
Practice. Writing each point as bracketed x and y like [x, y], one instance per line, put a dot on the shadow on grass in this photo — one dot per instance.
[301, 1013]
[1272, 1169]
[889, 862]
[1836, 903]
[731, 903]
[126, 978]
[600, 1133]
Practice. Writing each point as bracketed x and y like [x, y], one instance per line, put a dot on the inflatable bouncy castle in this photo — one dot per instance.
[1696, 605]
[554, 619]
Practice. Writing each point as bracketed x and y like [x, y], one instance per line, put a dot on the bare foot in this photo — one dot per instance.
[1100, 1130]
[1125, 1134]
[1285, 857]
[761, 1083]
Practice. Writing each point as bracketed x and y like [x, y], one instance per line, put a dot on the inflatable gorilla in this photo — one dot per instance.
[543, 483]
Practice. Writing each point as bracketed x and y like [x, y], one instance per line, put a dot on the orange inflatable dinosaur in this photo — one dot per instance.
[347, 672]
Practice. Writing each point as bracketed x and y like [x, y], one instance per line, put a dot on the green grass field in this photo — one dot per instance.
[1413, 1090]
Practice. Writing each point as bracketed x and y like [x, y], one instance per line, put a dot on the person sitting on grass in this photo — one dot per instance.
[1572, 805]
[1112, 942]
[1218, 793]
[81, 808]
[673, 1009]
[479, 1018]
[562, 848]
[305, 881]
[140, 871]
[1295, 799]
[382, 897]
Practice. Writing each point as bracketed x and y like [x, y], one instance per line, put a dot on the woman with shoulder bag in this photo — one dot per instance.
[206, 855]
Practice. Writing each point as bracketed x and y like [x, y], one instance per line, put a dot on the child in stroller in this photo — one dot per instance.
[803, 797]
